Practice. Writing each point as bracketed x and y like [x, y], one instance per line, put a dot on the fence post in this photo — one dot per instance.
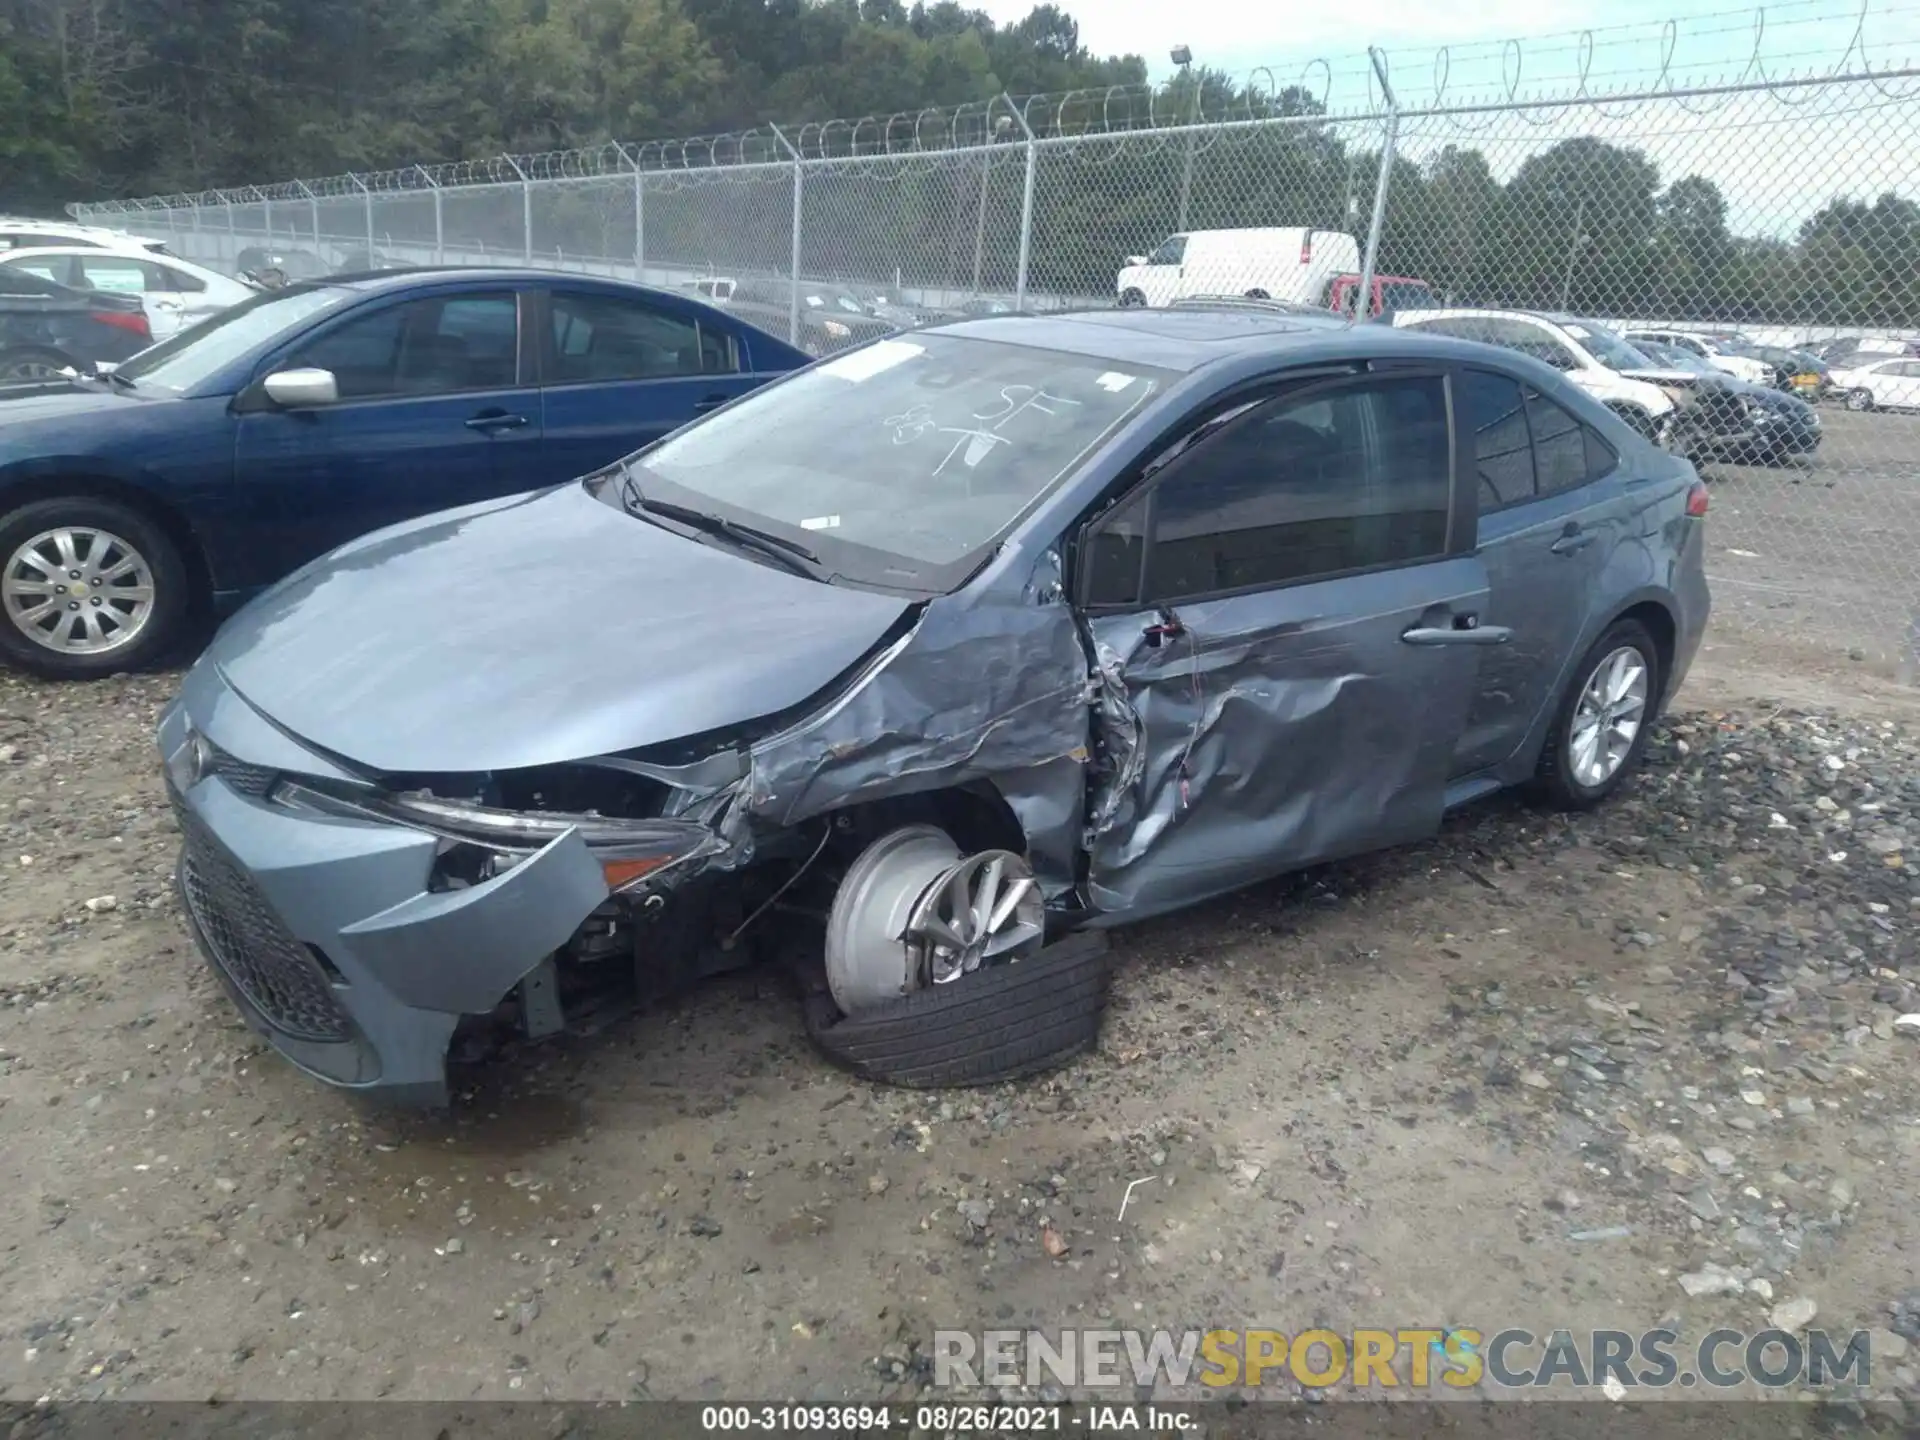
[266, 209]
[368, 196]
[1363, 293]
[526, 210]
[799, 195]
[1026, 207]
[439, 233]
[1189, 140]
[313, 214]
[639, 213]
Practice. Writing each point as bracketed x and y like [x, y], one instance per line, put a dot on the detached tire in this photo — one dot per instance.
[1562, 780]
[1001, 1022]
[117, 553]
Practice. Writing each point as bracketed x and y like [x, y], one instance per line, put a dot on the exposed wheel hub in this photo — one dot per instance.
[913, 912]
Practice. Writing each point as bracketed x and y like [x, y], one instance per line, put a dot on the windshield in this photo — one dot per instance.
[186, 359]
[1606, 347]
[1403, 295]
[899, 460]
[832, 300]
[1672, 357]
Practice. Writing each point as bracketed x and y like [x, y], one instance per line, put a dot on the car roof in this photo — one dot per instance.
[399, 276]
[1493, 312]
[121, 250]
[1186, 339]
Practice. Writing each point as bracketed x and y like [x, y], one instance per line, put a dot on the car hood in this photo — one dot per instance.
[29, 402]
[539, 629]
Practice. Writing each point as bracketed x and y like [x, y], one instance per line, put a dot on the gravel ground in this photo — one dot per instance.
[1610, 1070]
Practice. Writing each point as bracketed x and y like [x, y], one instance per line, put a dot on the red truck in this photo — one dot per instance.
[1390, 292]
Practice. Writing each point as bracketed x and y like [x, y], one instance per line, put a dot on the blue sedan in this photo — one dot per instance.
[216, 462]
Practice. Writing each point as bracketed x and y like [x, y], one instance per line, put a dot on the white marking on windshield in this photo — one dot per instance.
[1113, 380]
[872, 360]
[821, 522]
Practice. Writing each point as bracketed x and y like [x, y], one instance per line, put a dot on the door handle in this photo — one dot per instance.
[1465, 630]
[1572, 542]
[492, 420]
[710, 402]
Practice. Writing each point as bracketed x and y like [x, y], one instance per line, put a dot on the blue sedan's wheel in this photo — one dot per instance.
[88, 587]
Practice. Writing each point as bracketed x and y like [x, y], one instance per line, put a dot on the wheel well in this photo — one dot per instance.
[99, 487]
[1659, 622]
[976, 816]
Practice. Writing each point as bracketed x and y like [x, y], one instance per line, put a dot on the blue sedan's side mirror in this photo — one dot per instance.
[301, 389]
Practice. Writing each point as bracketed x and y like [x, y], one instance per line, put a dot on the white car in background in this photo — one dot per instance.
[25, 233]
[1891, 382]
[1593, 357]
[176, 293]
[1720, 351]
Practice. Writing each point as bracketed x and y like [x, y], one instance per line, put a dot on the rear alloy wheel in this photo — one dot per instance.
[1604, 718]
[1859, 400]
[1132, 299]
[938, 971]
[89, 587]
[1258, 295]
[34, 364]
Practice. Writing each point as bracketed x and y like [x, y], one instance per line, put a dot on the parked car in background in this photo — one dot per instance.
[1855, 351]
[362, 261]
[1807, 375]
[1779, 425]
[1389, 293]
[1882, 383]
[213, 463]
[47, 329]
[1030, 624]
[831, 317]
[1722, 351]
[175, 293]
[272, 267]
[1665, 404]
[1275, 263]
[25, 233]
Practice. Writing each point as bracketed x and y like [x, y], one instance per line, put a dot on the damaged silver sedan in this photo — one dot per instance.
[914, 671]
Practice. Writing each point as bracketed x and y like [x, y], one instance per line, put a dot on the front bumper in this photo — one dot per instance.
[326, 931]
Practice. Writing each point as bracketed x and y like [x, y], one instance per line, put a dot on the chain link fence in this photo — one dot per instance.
[1726, 230]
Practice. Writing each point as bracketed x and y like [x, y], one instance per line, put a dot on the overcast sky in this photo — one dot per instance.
[1712, 40]
[1776, 160]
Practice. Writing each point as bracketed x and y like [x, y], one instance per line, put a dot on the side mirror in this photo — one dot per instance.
[1136, 260]
[301, 389]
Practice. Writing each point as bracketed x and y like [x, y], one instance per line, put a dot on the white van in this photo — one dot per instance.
[1290, 262]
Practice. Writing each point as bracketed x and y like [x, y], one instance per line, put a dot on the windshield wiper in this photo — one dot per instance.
[791, 553]
[117, 378]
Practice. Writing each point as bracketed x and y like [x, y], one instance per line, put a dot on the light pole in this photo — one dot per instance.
[1183, 57]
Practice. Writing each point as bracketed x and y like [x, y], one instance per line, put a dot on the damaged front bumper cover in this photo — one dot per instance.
[337, 933]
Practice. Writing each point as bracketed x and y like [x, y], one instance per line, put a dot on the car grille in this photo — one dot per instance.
[254, 780]
[266, 963]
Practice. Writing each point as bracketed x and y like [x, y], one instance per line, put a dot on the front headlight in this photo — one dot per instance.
[835, 329]
[628, 850]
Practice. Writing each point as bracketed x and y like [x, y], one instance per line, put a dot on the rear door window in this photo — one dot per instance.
[1493, 412]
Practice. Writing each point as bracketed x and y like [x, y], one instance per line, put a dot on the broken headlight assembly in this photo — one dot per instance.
[482, 841]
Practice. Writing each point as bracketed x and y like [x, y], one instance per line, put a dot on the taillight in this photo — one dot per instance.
[1697, 500]
[1306, 248]
[134, 320]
